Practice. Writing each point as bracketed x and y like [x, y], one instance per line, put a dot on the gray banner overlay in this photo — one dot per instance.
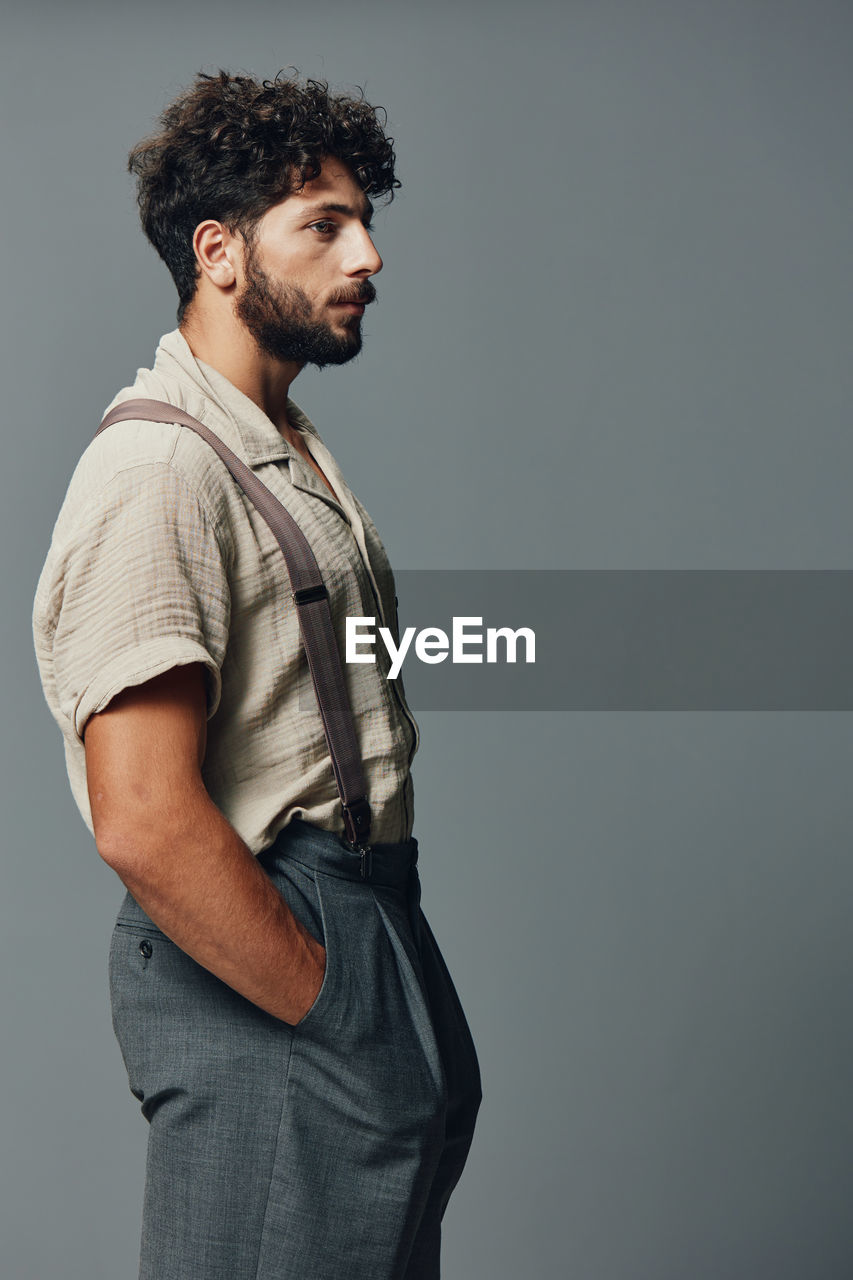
[643, 640]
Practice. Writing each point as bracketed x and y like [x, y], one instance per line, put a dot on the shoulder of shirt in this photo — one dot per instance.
[134, 444]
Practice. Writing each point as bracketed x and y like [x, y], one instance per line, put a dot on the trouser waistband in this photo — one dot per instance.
[384, 864]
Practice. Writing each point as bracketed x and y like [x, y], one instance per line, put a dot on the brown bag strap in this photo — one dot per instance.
[312, 607]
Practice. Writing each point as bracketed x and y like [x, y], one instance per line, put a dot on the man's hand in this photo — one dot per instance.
[182, 861]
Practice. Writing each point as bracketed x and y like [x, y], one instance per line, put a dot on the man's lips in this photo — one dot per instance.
[355, 306]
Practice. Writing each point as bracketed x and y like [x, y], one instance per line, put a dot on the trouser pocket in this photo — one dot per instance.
[181, 1030]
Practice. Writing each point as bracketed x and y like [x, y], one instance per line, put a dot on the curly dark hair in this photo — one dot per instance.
[230, 147]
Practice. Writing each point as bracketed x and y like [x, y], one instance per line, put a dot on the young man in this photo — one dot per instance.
[285, 1015]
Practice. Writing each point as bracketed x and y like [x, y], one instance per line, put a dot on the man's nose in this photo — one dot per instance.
[363, 259]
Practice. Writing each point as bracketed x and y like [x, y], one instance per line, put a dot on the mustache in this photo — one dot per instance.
[364, 293]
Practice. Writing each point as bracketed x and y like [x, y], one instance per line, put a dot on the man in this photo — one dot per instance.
[284, 1013]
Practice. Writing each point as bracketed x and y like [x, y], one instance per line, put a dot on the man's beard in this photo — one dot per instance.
[278, 316]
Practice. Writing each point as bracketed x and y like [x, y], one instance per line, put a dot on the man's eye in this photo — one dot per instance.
[324, 226]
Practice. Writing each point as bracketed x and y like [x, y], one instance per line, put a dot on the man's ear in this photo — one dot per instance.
[218, 253]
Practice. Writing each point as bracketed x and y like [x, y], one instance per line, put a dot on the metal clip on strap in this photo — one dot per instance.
[357, 825]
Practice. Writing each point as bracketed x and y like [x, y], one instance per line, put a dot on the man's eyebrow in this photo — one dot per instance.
[347, 209]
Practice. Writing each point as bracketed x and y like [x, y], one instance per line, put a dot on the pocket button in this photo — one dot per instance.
[145, 948]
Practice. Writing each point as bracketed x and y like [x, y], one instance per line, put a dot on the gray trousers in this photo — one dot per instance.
[323, 1151]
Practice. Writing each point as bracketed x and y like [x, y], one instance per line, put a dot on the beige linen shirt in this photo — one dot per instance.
[158, 559]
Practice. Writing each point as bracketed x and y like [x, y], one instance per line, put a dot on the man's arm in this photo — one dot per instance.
[182, 861]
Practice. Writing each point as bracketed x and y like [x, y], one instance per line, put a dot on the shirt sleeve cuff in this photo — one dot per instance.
[142, 663]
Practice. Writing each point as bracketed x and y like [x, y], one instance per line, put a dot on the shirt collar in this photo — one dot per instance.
[260, 437]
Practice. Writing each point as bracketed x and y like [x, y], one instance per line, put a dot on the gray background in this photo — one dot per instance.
[614, 332]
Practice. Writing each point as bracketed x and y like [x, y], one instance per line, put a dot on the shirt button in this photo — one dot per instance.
[145, 948]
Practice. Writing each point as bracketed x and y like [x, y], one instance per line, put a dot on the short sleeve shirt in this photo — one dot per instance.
[158, 559]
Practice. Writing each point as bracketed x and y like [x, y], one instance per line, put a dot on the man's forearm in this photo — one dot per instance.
[200, 884]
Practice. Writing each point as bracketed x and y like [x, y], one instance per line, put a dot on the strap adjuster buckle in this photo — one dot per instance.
[357, 820]
[306, 595]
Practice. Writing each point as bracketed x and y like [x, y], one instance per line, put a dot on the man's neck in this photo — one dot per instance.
[235, 355]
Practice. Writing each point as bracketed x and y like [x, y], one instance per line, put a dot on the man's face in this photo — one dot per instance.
[307, 271]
